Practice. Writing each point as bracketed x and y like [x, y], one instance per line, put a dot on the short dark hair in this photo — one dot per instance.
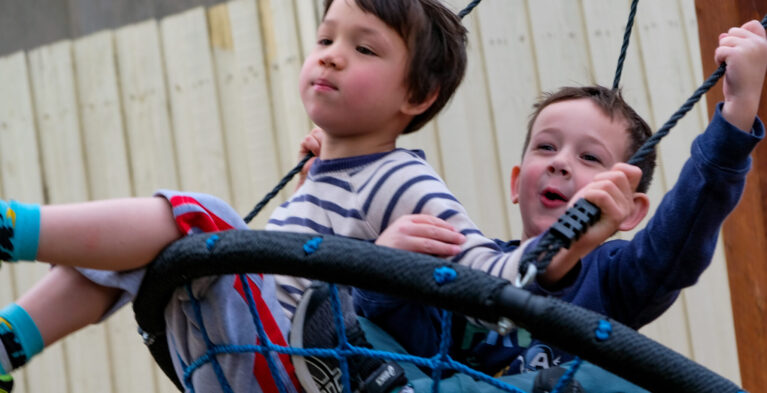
[612, 103]
[436, 42]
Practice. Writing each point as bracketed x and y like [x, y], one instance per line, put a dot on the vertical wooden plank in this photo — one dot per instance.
[710, 346]
[195, 114]
[505, 38]
[745, 230]
[472, 171]
[53, 85]
[8, 292]
[307, 20]
[708, 302]
[690, 23]
[101, 117]
[87, 351]
[145, 105]
[246, 111]
[712, 333]
[605, 23]
[109, 177]
[654, 26]
[560, 45]
[284, 60]
[669, 72]
[58, 122]
[152, 161]
[20, 179]
[320, 5]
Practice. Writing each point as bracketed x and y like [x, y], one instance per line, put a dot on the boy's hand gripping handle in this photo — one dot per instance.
[568, 228]
[576, 220]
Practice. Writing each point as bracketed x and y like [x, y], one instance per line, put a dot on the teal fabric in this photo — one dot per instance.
[20, 227]
[25, 329]
[592, 378]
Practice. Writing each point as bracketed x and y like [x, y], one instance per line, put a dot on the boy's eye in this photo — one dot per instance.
[591, 157]
[545, 146]
[324, 41]
[365, 51]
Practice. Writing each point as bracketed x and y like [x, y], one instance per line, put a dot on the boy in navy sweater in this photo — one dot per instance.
[574, 136]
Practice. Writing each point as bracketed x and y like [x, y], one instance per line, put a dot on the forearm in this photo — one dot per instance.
[119, 234]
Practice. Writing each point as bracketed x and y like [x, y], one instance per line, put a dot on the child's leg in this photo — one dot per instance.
[117, 234]
[62, 302]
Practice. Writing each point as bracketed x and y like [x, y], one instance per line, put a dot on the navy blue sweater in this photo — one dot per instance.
[632, 281]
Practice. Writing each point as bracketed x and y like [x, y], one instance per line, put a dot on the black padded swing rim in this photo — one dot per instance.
[626, 353]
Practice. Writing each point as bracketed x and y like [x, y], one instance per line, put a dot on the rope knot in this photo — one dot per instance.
[444, 275]
[604, 330]
[312, 245]
[211, 242]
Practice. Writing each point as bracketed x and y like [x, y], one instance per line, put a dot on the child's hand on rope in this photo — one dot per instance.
[311, 144]
[622, 209]
[424, 234]
[744, 49]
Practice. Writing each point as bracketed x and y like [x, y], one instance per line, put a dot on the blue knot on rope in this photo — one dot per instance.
[604, 330]
[444, 274]
[312, 245]
[211, 242]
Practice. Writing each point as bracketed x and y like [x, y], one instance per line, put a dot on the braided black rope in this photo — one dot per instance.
[625, 46]
[469, 8]
[553, 240]
[271, 194]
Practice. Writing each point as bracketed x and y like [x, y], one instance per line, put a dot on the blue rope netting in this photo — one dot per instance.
[438, 363]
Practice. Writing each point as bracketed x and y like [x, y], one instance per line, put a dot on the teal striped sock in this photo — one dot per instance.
[19, 231]
[19, 337]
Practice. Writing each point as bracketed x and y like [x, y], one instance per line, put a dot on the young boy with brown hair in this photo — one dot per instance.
[574, 135]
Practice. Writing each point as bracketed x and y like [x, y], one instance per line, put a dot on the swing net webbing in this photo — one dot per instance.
[420, 278]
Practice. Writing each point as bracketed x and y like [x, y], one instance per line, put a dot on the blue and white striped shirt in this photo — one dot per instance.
[359, 197]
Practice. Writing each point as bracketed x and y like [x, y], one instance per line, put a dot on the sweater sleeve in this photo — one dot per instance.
[644, 276]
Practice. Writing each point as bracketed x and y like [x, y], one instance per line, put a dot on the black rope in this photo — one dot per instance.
[469, 8]
[649, 145]
[271, 194]
[552, 241]
[625, 46]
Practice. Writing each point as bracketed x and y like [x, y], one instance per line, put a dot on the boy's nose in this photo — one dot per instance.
[331, 60]
[558, 167]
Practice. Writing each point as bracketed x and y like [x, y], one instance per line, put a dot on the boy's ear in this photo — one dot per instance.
[416, 108]
[515, 184]
[641, 206]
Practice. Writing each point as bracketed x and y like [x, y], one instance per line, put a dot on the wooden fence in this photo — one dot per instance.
[207, 100]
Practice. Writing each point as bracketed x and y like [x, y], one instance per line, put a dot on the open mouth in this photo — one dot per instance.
[552, 198]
